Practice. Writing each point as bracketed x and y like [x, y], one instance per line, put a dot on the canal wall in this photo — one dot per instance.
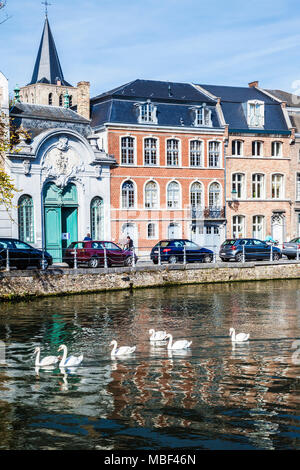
[16, 285]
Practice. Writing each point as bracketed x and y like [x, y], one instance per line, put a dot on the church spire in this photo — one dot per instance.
[47, 67]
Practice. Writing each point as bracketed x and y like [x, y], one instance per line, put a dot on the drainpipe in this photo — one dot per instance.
[225, 145]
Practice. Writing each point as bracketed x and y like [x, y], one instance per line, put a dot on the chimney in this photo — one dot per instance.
[253, 84]
[83, 99]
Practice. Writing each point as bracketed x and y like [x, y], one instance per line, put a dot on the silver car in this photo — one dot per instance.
[289, 249]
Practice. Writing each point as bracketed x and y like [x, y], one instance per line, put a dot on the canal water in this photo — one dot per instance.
[213, 396]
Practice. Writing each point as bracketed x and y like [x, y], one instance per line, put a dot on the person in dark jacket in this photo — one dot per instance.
[129, 243]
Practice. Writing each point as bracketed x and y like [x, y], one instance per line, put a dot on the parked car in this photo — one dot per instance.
[21, 255]
[290, 248]
[172, 251]
[91, 252]
[232, 249]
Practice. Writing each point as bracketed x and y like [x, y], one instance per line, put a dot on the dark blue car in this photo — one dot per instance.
[172, 251]
[252, 248]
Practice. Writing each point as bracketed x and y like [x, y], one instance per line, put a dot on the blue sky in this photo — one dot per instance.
[109, 43]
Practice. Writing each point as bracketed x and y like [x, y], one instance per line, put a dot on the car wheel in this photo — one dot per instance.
[173, 259]
[207, 259]
[155, 261]
[223, 259]
[275, 256]
[70, 264]
[239, 257]
[93, 263]
[1, 262]
[291, 257]
[129, 261]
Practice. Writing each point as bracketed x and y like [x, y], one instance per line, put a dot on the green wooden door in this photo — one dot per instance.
[53, 232]
[61, 210]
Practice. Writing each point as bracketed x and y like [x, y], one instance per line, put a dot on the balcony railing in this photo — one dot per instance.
[211, 212]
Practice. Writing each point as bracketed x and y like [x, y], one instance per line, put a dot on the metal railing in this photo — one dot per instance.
[76, 257]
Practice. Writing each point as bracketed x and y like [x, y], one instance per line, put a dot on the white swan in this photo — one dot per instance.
[239, 337]
[122, 351]
[180, 344]
[47, 361]
[71, 360]
[157, 335]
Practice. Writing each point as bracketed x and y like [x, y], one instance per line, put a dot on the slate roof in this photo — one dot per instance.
[47, 66]
[233, 102]
[174, 102]
[47, 113]
[292, 100]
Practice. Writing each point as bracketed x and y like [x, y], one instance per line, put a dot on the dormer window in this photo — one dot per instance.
[256, 113]
[202, 116]
[147, 113]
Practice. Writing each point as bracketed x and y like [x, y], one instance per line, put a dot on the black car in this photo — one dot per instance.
[252, 248]
[21, 255]
[172, 251]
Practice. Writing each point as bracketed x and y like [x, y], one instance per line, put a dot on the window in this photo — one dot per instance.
[61, 100]
[214, 154]
[151, 230]
[147, 113]
[173, 195]
[128, 199]
[50, 99]
[255, 113]
[97, 218]
[174, 231]
[258, 226]
[257, 186]
[172, 152]
[196, 195]
[202, 116]
[150, 151]
[70, 101]
[238, 226]
[127, 150]
[257, 148]
[277, 186]
[276, 149]
[237, 147]
[214, 195]
[151, 195]
[25, 219]
[298, 187]
[238, 184]
[196, 153]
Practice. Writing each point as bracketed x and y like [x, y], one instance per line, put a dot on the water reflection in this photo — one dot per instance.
[218, 394]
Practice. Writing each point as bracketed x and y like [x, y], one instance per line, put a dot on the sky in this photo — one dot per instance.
[109, 43]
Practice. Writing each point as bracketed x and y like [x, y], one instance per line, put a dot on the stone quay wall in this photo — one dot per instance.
[15, 285]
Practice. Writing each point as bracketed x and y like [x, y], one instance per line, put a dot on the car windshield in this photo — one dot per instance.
[77, 245]
[164, 243]
[112, 246]
[4, 244]
[192, 245]
[295, 240]
[21, 245]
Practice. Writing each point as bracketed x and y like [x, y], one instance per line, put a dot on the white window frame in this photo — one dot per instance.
[220, 198]
[151, 149]
[157, 205]
[239, 186]
[213, 151]
[235, 143]
[172, 207]
[276, 148]
[297, 192]
[201, 205]
[202, 116]
[179, 151]
[281, 187]
[134, 150]
[256, 183]
[261, 143]
[147, 113]
[256, 119]
[238, 226]
[134, 193]
[255, 223]
[155, 236]
[201, 142]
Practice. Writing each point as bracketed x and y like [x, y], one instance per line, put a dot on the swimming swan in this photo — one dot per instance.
[239, 337]
[47, 361]
[180, 344]
[122, 351]
[71, 360]
[157, 335]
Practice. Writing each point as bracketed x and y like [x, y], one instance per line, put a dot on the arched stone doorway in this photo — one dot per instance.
[60, 217]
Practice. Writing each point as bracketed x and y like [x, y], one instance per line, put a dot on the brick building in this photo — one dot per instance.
[258, 162]
[168, 141]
